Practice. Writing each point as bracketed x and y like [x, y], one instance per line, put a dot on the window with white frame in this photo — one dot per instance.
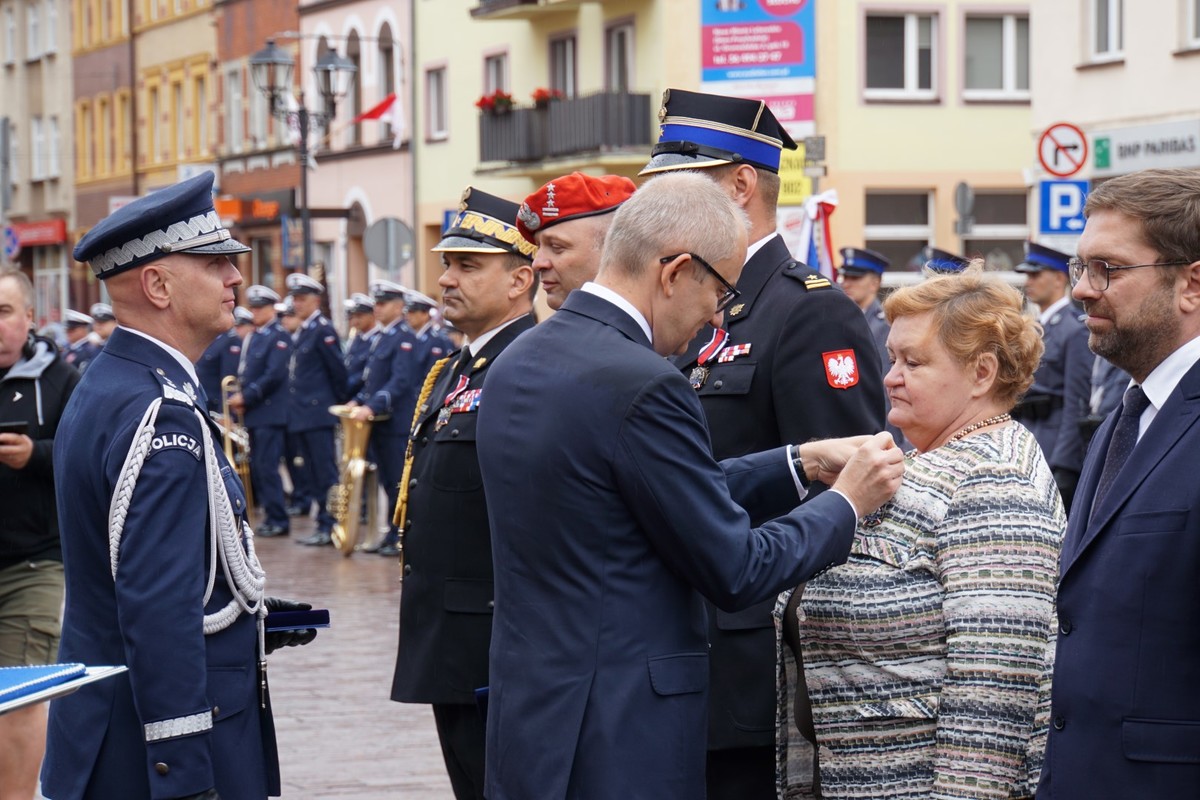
[562, 65]
[37, 149]
[996, 58]
[435, 104]
[1108, 40]
[1001, 228]
[901, 56]
[618, 57]
[898, 225]
[495, 73]
[10, 35]
[1193, 23]
[51, 26]
[33, 27]
[233, 110]
[54, 142]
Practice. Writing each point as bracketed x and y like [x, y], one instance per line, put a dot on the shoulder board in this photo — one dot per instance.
[172, 392]
[816, 282]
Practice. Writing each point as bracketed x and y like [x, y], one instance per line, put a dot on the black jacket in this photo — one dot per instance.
[34, 390]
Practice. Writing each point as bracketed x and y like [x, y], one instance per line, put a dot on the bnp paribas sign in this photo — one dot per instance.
[1167, 144]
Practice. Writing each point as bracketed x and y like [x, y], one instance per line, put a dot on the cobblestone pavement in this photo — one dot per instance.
[339, 735]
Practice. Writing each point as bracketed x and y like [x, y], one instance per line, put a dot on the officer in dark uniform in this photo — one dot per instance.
[104, 322]
[446, 616]
[939, 260]
[795, 361]
[263, 404]
[360, 310]
[432, 344]
[390, 387]
[80, 348]
[161, 577]
[317, 381]
[1108, 386]
[222, 357]
[1059, 397]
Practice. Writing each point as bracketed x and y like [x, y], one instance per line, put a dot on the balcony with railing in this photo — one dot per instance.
[576, 129]
[521, 9]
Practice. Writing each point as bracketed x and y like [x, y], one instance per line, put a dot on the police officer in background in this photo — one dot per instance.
[263, 404]
[160, 573]
[795, 361]
[317, 381]
[393, 378]
[1059, 397]
[432, 344]
[1108, 386]
[360, 312]
[104, 322]
[80, 349]
[938, 260]
[221, 358]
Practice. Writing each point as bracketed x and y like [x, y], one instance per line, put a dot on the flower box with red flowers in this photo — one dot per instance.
[498, 102]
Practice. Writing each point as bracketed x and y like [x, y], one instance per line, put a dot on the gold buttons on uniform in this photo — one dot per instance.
[161, 768]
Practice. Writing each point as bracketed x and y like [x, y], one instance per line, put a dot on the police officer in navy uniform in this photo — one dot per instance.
[795, 361]
[161, 575]
[1061, 390]
[80, 349]
[263, 404]
[104, 322]
[221, 358]
[317, 381]
[446, 617]
[1108, 385]
[432, 343]
[390, 386]
[360, 312]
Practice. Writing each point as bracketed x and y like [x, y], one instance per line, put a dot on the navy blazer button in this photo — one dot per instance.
[718, 384]
[491, 603]
[1064, 626]
[424, 440]
[454, 433]
[408, 569]
[216, 711]
[1059, 723]
[161, 768]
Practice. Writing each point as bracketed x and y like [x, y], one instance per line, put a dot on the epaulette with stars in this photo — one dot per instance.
[811, 281]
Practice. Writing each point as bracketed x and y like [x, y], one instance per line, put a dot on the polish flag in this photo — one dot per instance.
[389, 110]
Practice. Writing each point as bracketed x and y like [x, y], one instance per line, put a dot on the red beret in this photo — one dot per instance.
[571, 197]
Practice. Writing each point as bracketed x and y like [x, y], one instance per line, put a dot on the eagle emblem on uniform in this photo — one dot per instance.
[841, 368]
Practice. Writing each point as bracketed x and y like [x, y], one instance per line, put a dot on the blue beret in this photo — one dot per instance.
[859, 261]
[708, 130]
[485, 224]
[940, 260]
[177, 219]
[1039, 257]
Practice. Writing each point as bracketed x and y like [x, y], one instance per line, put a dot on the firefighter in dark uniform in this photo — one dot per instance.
[317, 380]
[1059, 397]
[360, 311]
[446, 616]
[262, 402]
[222, 357]
[80, 348]
[795, 361]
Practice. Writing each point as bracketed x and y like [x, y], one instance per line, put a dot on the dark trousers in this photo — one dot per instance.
[298, 470]
[316, 448]
[388, 452]
[266, 448]
[462, 732]
[743, 773]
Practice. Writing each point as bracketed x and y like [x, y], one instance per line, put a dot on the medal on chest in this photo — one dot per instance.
[447, 405]
[715, 345]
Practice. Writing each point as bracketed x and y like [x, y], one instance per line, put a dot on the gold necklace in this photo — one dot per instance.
[983, 423]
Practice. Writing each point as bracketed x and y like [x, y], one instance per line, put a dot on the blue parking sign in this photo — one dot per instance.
[1061, 204]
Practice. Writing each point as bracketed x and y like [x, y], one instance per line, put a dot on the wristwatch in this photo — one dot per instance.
[798, 465]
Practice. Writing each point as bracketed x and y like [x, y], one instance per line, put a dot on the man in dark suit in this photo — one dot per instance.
[161, 576]
[764, 380]
[316, 380]
[608, 514]
[1052, 407]
[446, 616]
[1125, 714]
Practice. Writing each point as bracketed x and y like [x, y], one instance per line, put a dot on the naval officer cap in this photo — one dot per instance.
[571, 197]
[484, 224]
[861, 261]
[418, 302]
[384, 291]
[76, 319]
[299, 283]
[940, 260]
[1039, 257]
[359, 303]
[177, 219]
[258, 296]
[710, 130]
[102, 312]
[242, 316]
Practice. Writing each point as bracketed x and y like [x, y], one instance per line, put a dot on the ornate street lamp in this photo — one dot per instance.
[271, 70]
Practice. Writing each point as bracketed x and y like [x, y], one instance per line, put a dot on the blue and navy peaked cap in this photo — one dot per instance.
[940, 260]
[1039, 257]
[258, 296]
[102, 312]
[860, 261]
[242, 316]
[299, 283]
[177, 219]
[485, 224]
[388, 290]
[709, 130]
[359, 303]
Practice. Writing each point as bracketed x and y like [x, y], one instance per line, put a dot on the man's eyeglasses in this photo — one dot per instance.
[1099, 271]
[730, 293]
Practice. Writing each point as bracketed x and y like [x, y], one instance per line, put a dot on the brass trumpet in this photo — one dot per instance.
[237, 438]
[357, 476]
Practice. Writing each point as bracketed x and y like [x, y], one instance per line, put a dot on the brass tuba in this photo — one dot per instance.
[357, 476]
[236, 439]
